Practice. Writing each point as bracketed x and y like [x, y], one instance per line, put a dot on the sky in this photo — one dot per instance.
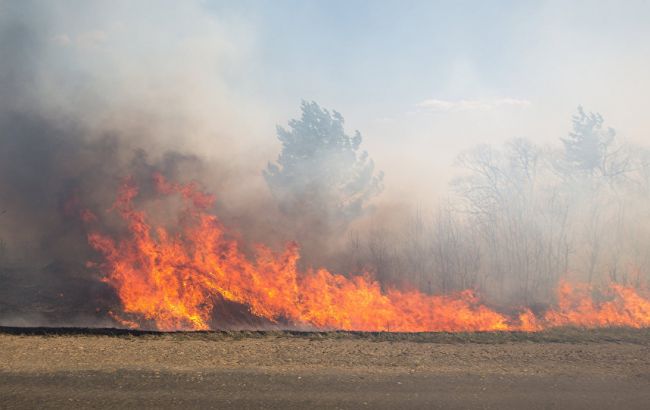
[421, 80]
[444, 76]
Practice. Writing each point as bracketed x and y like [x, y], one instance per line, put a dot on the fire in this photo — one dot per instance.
[174, 279]
[624, 307]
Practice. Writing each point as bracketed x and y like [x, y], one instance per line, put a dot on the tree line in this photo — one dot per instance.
[519, 215]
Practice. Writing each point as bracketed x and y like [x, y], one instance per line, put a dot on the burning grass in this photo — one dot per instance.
[174, 280]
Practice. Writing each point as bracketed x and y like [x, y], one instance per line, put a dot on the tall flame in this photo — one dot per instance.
[174, 280]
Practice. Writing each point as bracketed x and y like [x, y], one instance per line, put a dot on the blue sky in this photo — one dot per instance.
[391, 54]
[382, 52]
[387, 50]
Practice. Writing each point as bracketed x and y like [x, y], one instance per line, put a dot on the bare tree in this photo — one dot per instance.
[509, 195]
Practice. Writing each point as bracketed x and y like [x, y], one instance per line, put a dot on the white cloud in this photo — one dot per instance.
[61, 40]
[435, 105]
[92, 38]
[86, 39]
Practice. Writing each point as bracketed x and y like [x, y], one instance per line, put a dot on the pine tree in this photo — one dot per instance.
[321, 171]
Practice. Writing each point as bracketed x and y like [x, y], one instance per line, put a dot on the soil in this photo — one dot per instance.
[108, 369]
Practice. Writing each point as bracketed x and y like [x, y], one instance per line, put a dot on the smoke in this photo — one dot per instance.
[94, 96]
[91, 93]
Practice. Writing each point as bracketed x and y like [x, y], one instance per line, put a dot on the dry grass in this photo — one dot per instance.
[555, 335]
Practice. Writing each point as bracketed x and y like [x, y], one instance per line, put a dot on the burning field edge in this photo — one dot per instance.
[554, 335]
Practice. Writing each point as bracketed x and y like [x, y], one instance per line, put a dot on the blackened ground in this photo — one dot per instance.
[64, 295]
[54, 295]
[563, 368]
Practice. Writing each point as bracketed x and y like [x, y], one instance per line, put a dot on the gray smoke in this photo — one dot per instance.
[86, 101]
[52, 165]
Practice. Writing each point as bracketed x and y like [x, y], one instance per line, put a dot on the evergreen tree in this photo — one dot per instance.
[586, 147]
[321, 171]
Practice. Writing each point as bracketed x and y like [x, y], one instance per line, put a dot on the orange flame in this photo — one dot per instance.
[173, 280]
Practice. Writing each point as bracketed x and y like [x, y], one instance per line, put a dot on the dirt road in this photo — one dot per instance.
[277, 370]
